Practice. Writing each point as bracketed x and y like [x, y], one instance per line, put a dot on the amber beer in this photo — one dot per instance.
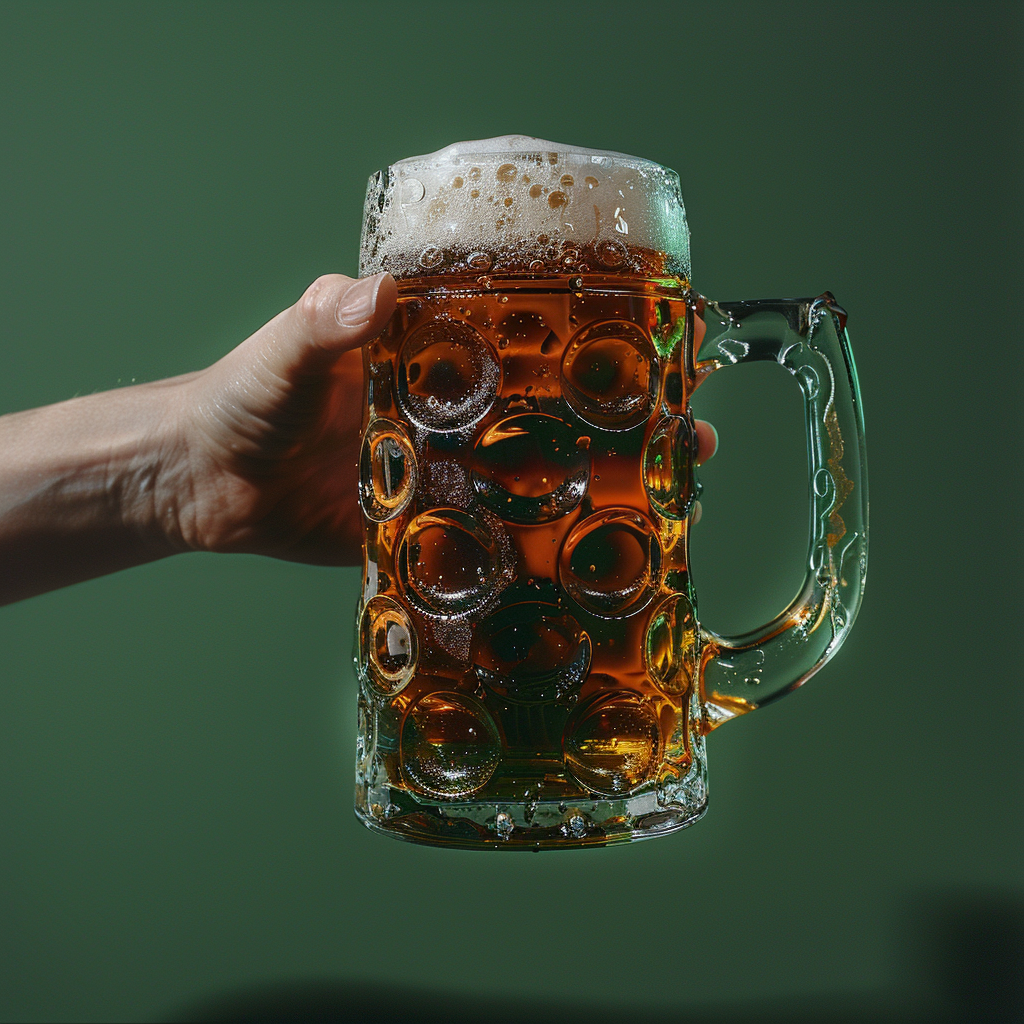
[531, 670]
[526, 637]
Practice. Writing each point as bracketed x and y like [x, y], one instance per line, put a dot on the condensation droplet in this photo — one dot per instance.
[506, 173]
[550, 344]
[557, 199]
[504, 825]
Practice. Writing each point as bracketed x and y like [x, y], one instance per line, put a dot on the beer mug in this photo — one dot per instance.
[533, 672]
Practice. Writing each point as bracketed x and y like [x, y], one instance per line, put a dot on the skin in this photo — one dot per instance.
[257, 453]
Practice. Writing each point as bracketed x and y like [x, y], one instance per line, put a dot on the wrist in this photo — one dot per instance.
[86, 488]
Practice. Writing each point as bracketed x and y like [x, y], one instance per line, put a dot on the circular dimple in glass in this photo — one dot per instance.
[448, 376]
[388, 644]
[531, 652]
[449, 745]
[610, 563]
[387, 471]
[449, 562]
[668, 462]
[610, 375]
[670, 645]
[612, 742]
[530, 468]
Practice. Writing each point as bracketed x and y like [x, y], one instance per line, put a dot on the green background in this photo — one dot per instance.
[176, 741]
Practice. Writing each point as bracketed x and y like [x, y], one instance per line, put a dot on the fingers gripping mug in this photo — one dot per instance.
[533, 672]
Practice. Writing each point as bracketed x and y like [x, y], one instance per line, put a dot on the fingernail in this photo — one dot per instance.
[696, 513]
[359, 302]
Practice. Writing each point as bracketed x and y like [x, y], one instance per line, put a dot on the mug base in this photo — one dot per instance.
[545, 825]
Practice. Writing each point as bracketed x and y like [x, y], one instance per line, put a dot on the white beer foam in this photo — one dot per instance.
[520, 204]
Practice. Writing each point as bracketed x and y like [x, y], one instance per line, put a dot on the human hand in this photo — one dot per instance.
[271, 431]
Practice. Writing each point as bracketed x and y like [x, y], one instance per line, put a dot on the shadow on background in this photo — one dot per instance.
[964, 951]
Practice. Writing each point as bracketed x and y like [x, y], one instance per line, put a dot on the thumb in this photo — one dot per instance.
[334, 315]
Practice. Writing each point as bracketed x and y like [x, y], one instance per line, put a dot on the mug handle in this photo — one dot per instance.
[808, 337]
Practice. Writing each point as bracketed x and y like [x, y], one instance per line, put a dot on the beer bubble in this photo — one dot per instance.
[387, 471]
[479, 260]
[412, 191]
[388, 645]
[431, 258]
[528, 468]
[449, 745]
[531, 652]
[667, 467]
[611, 252]
[448, 376]
[449, 562]
[610, 564]
[610, 375]
[670, 645]
[612, 742]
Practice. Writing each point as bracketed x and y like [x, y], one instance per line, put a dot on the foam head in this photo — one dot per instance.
[519, 205]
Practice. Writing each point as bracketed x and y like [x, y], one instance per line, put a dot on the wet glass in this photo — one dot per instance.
[532, 669]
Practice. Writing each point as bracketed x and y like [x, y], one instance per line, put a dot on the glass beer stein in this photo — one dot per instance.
[532, 669]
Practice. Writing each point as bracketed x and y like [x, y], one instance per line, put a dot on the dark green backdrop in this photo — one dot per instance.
[176, 741]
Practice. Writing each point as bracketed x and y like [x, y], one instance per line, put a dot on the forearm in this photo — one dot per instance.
[87, 487]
